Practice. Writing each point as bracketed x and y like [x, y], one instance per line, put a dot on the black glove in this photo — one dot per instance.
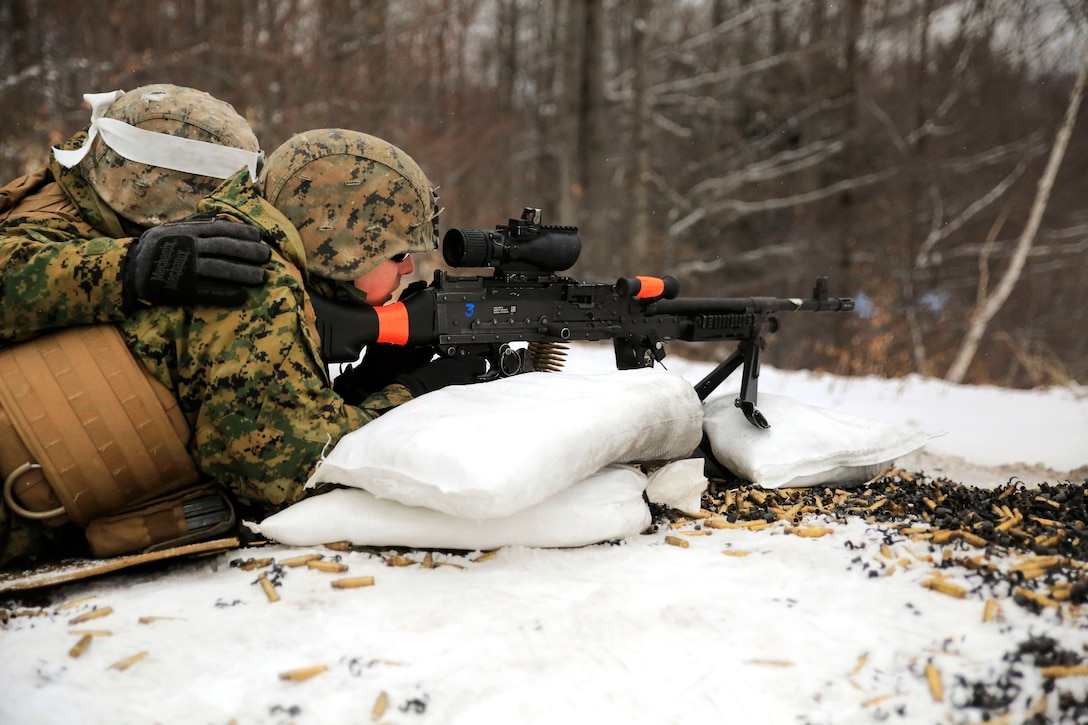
[378, 367]
[442, 372]
[200, 260]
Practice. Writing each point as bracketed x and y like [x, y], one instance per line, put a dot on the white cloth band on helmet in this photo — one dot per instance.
[157, 149]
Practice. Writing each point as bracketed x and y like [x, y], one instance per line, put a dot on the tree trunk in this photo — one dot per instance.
[569, 49]
[851, 164]
[640, 217]
[592, 149]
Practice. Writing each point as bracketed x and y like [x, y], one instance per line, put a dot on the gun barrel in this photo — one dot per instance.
[712, 305]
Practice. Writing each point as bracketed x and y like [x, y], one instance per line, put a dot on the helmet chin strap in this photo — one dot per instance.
[336, 289]
[158, 149]
[352, 293]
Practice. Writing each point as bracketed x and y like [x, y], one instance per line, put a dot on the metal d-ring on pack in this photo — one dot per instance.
[15, 506]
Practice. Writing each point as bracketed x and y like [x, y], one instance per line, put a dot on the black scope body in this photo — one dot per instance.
[516, 247]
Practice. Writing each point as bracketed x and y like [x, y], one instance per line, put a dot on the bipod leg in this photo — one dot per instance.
[716, 376]
[749, 384]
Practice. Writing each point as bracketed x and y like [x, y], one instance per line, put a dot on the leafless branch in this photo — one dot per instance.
[734, 209]
[781, 164]
[942, 231]
[763, 255]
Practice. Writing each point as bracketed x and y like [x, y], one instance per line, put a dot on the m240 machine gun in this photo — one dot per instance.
[526, 300]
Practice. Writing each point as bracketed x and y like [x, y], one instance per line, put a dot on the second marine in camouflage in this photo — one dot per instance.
[68, 229]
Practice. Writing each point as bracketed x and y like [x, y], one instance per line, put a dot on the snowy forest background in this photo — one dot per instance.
[900, 147]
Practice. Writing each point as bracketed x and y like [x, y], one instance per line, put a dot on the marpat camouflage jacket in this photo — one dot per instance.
[61, 253]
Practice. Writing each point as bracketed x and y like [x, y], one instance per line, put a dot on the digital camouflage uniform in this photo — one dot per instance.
[61, 254]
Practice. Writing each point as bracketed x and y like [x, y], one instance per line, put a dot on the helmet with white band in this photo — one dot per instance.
[152, 153]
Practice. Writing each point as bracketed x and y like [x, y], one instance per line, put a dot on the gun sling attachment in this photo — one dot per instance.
[87, 433]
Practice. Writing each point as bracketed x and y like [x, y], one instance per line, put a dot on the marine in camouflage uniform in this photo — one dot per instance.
[250, 379]
[65, 231]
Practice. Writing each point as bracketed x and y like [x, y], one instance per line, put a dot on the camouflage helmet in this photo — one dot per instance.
[355, 200]
[150, 195]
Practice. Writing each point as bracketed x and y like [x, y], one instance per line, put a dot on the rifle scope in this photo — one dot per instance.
[520, 246]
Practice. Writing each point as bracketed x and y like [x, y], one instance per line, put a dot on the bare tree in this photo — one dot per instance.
[984, 312]
[640, 184]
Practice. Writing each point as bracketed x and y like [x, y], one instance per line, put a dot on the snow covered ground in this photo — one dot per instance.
[738, 626]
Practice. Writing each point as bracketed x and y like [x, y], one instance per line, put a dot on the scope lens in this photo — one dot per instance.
[466, 248]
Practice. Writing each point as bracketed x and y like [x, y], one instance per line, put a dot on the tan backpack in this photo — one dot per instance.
[88, 436]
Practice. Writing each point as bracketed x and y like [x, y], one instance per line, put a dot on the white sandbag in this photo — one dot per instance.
[805, 445]
[603, 507]
[493, 449]
[679, 485]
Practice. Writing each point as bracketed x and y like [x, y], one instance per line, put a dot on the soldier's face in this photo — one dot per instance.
[380, 283]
